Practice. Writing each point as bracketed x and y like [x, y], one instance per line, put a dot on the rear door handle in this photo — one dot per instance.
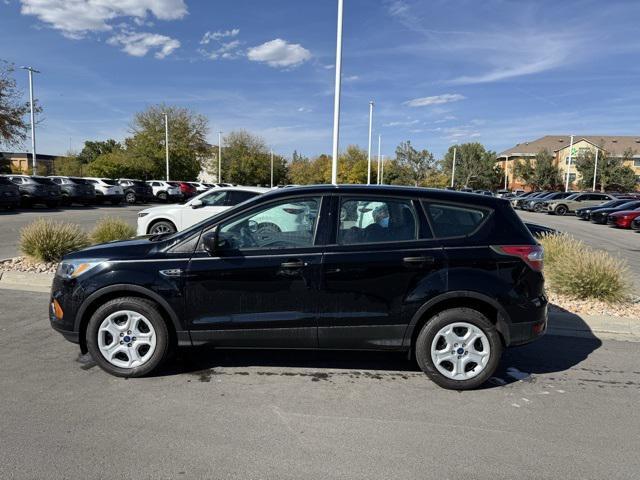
[418, 260]
[293, 264]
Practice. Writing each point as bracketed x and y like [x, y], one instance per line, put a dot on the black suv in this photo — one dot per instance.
[35, 189]
[451, 278]
[135, 190]
[75, 190]
[9, 194]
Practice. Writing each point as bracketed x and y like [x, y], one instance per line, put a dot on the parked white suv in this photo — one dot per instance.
[164, 191]
[107, 190]
[171, 218]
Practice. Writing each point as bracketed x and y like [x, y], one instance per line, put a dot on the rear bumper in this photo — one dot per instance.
[522, 333]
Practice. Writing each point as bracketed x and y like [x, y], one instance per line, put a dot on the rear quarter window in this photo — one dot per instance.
[455, 220]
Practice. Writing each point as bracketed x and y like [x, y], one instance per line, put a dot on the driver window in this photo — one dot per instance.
[214, 199]
[289, 224]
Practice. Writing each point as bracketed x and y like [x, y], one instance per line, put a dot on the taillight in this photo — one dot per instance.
[532, 255]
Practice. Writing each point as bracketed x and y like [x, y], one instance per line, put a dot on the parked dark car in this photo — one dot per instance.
[37, 190]
[135, 190]
[449, 277]
[75, 190]
[538, 204]
[585, 213]
[520, 201]
[601, 215]
[9, 194]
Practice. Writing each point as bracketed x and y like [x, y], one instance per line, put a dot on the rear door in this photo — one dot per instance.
[381, 260]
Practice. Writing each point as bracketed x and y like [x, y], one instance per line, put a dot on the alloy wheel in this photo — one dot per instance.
[161, 227]
[460, 351]
[126, 339]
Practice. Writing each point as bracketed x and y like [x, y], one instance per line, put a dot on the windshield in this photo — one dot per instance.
[573, 196]
[108, 181]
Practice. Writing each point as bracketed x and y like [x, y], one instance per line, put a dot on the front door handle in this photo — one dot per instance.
[418, 260]
[293, 264]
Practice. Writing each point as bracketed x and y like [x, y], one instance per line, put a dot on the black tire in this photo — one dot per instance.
[537, 208]
[149, 310]
[561, 210]
[163, 196]
[435, 324]
[130, 197]
[156, 226]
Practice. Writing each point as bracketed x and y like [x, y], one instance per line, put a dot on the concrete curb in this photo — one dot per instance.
[28, 281]
[560, 323]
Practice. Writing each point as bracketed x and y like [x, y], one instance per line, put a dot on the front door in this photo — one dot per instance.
[261, 290]
[377, 273]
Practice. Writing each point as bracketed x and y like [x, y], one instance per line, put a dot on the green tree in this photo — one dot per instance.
[187, 141]
[416, 165]
[13, 111]
[120, 164]
[93, 149]
[69, 165]
[525, 171]
[305, 171]
[547, 175]
[247, 161]
[612, 172]
[475, 166]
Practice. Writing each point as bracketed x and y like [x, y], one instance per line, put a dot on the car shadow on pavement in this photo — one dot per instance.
[550, 354]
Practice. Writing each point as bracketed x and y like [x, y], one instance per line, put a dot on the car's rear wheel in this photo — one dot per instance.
[561, 210]
[128, 337]
[537, 207]
[130, 197]
[458, 349]
[163, 196]
[162, 226]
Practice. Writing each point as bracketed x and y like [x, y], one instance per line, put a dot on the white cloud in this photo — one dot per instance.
[208, 36]
[75, 18]
[435, 100]
[139, 44]
[401, 124]
[279, 53]
[304, 110]
[352, 78]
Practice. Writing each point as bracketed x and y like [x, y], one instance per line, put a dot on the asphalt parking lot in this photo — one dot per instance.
[559, 408]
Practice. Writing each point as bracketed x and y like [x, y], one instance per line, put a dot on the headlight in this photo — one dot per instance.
[142, 214]
[74, 268]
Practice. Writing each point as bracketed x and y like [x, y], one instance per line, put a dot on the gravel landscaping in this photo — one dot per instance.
[23, 264]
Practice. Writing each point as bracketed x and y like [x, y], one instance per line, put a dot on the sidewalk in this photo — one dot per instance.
[560, 323]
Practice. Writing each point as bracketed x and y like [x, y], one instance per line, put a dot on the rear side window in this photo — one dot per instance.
[239, 196]
[454, 220]
[376, 220]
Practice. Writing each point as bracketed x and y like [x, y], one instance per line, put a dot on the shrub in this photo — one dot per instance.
[48, 241]
[578, 271]
[112, 228]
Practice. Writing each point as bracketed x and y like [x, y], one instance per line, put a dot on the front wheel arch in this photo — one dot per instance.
[158, 220]
[96, 299]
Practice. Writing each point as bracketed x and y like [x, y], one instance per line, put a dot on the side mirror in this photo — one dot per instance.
[210, 242]
[197, 204]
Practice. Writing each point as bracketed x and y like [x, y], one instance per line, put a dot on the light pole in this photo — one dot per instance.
[166, 143]
[453, 167]
[595, 170]
[379, 164]
[369, 149]
[271, 168]
[506, 176]
[382, 171]
[336, 97]
[566, 185]
[31, 71]
[219, 157]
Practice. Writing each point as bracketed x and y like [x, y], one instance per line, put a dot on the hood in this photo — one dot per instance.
[161, 209]
[137, 247]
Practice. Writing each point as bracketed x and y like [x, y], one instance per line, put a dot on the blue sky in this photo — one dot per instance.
[440, 72]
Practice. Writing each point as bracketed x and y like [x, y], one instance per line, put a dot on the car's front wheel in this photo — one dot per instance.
[162, 226]
[458, 349]
[128, 337]
[130, 197]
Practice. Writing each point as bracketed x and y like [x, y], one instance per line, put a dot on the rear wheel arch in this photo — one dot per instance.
[458, 299]
[96, 299]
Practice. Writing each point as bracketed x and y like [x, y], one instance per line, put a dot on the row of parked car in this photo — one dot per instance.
[621, 210]
[52, 191]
